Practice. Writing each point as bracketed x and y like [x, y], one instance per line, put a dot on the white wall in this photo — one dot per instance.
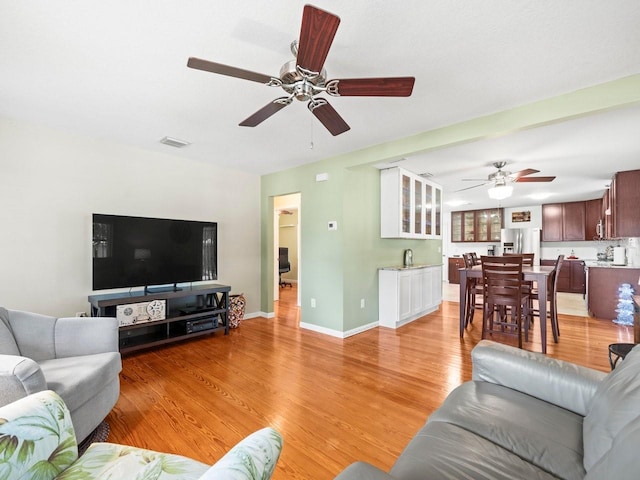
[51, 183]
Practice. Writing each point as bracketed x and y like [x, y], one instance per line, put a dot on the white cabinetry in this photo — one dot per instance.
[406, 294]
[410, 206]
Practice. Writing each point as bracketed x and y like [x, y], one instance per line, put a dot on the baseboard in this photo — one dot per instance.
[249, 316]
[336, 333]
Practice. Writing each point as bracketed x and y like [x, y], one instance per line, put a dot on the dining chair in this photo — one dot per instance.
[473, 289]
[527, 261]
[552, 294]
[474, 258]
[527, 258]
[504, 297]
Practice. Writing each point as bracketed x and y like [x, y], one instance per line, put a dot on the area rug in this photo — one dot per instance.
[100, 434]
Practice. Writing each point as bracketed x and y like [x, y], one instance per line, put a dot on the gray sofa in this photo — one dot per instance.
[527, 416]
[78, 358]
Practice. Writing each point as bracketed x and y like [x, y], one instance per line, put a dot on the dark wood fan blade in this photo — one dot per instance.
[328, 116]
[534, 179]
[265, 112]
[316, 36]
[372, 87]
[523, 173]
[221, 69]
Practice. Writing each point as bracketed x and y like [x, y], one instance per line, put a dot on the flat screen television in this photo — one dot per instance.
[138, 251]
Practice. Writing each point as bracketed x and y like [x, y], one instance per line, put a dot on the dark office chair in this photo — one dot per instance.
[284, 265]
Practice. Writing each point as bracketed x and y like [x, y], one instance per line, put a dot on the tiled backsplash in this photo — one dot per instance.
[590, 250]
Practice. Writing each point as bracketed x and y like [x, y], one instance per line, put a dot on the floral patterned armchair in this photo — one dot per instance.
[37, 440]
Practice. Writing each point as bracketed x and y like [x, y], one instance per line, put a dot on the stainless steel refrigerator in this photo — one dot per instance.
[521, 240]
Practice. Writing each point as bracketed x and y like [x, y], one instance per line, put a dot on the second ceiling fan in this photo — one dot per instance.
[304, 78]
[501, 177]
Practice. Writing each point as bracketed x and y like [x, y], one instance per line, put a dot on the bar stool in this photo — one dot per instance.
[473, 289]
[552, 289]
[504, 296]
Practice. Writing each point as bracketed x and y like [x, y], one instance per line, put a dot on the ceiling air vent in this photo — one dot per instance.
[174, 142]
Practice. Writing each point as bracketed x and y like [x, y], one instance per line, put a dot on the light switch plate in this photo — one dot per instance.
[332, 225]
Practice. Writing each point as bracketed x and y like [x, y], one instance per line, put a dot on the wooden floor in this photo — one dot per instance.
[334, 401]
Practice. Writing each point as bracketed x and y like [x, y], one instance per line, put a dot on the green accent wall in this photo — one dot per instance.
[339, 268]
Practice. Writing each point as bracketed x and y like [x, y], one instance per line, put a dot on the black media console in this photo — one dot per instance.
[186, 313]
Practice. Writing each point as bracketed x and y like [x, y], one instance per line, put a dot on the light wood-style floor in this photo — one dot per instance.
[334, 401]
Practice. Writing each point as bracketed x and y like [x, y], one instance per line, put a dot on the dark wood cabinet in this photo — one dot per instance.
[552, 222]
[626, 202]
[618, 212]
[455, 264]
[593, 216]
[573, 221]
[572, 277]
[477, 225]
[563, 222]
[488, 225]
[578, 277]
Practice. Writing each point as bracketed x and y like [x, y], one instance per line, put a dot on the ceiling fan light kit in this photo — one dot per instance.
[500, 189]
[304, 78]
[500, 192]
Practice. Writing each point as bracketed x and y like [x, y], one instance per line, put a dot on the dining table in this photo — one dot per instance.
[536, 273]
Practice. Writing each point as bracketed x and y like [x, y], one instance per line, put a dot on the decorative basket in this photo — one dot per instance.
[236, 309]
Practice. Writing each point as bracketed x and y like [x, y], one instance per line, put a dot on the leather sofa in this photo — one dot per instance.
[78, 358]
[527, 416]
[37, 441]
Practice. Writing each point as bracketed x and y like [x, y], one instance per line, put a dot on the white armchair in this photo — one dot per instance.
[77, 358]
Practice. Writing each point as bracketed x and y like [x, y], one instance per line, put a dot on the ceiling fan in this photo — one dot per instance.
[501, 177]
[304, 78]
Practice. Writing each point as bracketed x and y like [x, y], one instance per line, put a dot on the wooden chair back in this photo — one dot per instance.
[527, 258]
[503, 295]
[502, 278]
[555, 274]
[468, 260]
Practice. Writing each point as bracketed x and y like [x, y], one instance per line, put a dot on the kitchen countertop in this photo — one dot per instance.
[412, 267]
[604, 264]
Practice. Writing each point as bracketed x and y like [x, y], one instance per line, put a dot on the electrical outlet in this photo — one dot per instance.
[332, 225]
[313, 303]
[362, 303]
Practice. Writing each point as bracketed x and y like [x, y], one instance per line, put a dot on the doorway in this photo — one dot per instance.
[286, 217]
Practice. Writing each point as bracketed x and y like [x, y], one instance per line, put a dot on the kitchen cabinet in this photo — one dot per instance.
[625, 199]
[593, 217]
[406, 294]
[606, 215]
[410, 206]
[455, 264]
[573, 221]
[488, 225]
[571, 278]
[552, 222]
[578, 277]
[476, 225]
[563, 222]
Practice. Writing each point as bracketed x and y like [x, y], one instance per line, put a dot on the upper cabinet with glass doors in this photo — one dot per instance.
[410, 205]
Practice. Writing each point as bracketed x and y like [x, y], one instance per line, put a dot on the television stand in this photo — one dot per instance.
[190, 312]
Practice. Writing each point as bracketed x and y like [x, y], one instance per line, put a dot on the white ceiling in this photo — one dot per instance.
[117, 70]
